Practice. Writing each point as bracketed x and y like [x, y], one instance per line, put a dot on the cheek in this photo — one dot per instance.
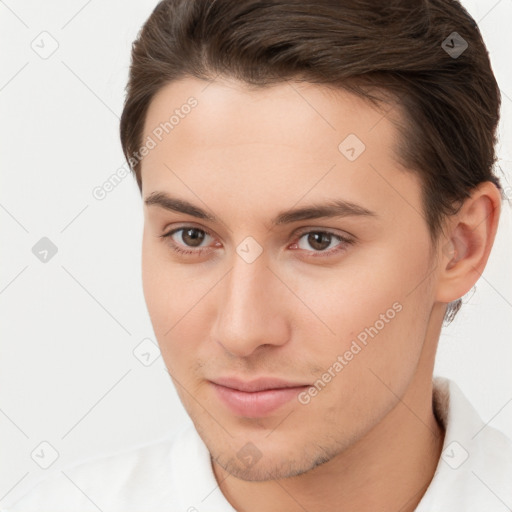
[379, 328]
[375, 307]
[161, 290]
[364, 286]
[175, 304]
[154, 282]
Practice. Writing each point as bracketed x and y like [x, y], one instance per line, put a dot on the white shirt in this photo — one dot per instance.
[474, 472]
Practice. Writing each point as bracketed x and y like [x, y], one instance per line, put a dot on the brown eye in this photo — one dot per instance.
[319, 240]
[187, 241]
[322, 243]
[192, 236]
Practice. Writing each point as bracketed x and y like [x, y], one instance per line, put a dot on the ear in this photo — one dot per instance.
[466, 245]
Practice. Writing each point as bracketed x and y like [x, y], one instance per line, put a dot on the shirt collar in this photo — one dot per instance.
[474, 472]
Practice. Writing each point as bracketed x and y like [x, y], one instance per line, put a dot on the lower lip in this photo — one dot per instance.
[257, 403]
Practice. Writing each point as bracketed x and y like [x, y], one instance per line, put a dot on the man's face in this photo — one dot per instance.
[335, 307]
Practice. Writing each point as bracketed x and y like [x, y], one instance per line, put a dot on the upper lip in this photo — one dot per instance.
[259, 384]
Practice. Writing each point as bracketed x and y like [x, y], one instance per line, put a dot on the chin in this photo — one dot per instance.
[269, 464]
[264, 470]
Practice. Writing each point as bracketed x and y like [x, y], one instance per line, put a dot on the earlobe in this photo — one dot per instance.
[468, 243]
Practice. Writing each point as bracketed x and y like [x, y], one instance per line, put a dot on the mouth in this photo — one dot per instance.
[256, 398]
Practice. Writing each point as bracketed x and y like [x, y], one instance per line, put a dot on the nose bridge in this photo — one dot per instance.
[248, 313]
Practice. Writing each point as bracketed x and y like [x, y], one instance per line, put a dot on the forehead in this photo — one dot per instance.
[284, 113]
[293, 138]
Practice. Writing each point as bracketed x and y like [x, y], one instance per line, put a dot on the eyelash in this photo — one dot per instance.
[344, 241]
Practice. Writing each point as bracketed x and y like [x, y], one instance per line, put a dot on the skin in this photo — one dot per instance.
[369, 439]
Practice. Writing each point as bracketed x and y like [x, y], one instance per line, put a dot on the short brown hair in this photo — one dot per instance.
[401, 47]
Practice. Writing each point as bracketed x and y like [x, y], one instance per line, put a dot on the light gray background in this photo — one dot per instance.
[68, 374]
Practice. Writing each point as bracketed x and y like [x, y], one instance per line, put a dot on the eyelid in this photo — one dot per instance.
[169, 232]
[318, 229]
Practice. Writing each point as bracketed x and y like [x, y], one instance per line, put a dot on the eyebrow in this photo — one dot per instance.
[330, 209]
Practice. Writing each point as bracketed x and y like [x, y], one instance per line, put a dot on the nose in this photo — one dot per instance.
[252, 309]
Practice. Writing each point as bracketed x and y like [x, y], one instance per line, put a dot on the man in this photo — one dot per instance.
[318, 194]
